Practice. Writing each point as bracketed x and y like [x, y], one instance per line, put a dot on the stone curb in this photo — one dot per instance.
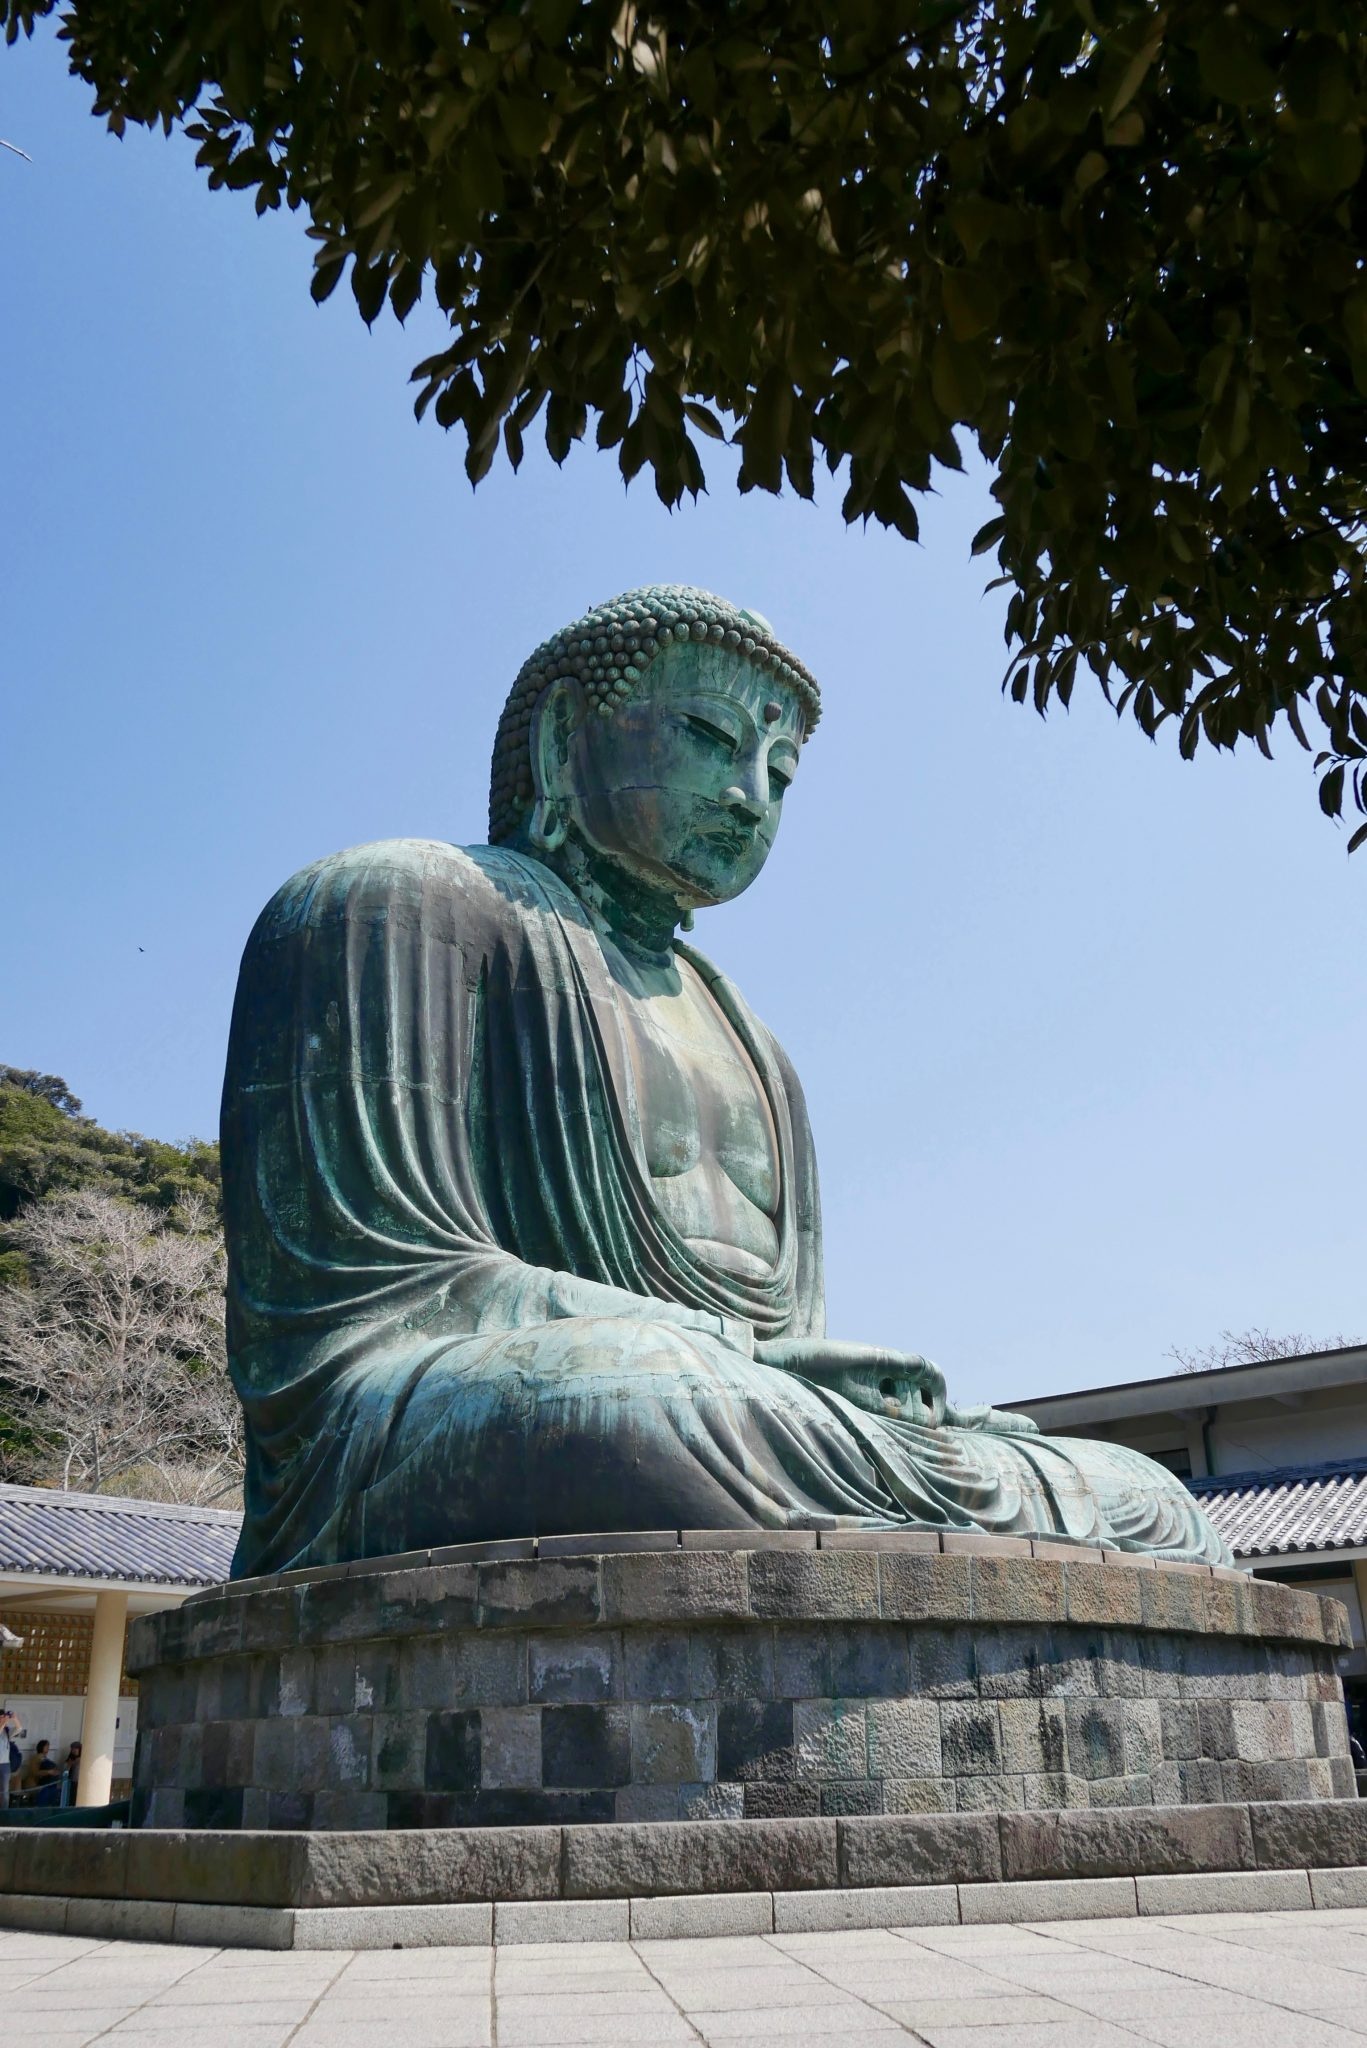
[446, 1869]
[718, 1576]
[514, 1922]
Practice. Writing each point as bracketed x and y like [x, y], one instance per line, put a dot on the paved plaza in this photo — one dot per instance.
[1286, 1980]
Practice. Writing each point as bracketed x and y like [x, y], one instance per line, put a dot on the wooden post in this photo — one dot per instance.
[102, 1700]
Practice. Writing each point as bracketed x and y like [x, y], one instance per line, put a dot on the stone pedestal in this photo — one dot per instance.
[712, 1676]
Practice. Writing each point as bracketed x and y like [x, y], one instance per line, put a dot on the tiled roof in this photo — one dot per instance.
[95, 1536]
[1296, 1508]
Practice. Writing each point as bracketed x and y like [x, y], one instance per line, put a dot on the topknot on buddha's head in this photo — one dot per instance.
[607, 653]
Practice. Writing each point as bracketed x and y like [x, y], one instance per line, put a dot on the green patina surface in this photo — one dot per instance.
[521, 1198]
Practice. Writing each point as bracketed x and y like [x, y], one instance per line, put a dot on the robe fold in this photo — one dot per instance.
[456, 1311]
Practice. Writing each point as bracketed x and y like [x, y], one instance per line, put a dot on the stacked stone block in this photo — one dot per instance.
[701, 1682]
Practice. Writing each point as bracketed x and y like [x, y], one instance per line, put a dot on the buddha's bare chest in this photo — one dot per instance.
[706, 1129]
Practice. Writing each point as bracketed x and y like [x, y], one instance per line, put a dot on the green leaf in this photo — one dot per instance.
[1133, 76]
[970, 302]
[979, 222]
[505, 32]
[552, 18]
[1232, 67]
[1319, 83]
[384, 201]
[327, 272]
[369, 284]
[704, 420]
[956, 379]
[614, 420]
[1157, 343]
[1126, 132]
[1329, 158]
[764, 435]
[405, 289]
[526, 122]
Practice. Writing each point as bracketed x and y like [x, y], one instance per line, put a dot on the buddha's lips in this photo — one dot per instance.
[728, 836]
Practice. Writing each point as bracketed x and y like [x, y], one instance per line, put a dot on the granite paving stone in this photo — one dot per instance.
[806, 2037]
[1346, 2017]
[1025, 2008]
[789, 2023]
[852, 1949]
[947, 1979]
[264, 2012]
[725, 1990]
[558, 2026]
[1079, 2033]
[1126, 2004]
[63, 2037]
[217, 2035]
[1261, 2027]
[1241, 1980]
[714, 1952]
[86, 2019]
[585, 1984]
[439, 2032]
[643, 1998]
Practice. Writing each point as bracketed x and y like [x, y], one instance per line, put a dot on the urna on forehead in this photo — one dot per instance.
[607, 652]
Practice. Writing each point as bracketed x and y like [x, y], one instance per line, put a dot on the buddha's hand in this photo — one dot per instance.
[991, 1421]
[901, 1384]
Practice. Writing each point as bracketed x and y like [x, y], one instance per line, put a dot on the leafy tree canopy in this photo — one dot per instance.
[49, 1088]
[1118, 245]
[47, 1146]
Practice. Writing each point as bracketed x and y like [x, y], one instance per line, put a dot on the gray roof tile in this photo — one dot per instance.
[96, 1536]
[1294, 1508]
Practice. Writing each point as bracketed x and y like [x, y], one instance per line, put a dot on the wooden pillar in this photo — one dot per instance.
[102, 1700]
[1360, 1582]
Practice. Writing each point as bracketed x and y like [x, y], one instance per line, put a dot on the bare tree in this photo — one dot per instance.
[1253, 1347]
[113, 1353]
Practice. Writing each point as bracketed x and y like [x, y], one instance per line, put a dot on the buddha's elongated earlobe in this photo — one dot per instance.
[547, 828]
[552, 727]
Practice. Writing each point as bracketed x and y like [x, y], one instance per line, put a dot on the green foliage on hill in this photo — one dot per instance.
[1118, 246]
[48, 1146]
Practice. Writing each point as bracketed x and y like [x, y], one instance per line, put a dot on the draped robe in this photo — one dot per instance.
[456, 1311]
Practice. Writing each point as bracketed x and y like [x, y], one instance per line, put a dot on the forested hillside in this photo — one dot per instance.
[113, 1375]
[47, 1144]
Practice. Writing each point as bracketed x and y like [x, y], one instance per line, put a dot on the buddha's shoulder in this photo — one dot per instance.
[412, 878]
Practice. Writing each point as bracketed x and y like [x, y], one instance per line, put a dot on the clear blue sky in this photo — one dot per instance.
[1081, 1026]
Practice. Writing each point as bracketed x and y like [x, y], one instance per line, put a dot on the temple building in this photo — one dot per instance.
[1276, 1453]
[73, 1568]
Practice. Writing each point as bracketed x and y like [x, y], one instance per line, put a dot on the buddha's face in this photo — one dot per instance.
[683, 785]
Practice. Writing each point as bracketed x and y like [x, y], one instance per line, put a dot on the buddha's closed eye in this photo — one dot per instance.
[708, 729]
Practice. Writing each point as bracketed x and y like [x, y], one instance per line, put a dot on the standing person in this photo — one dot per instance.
[12, 1732]
[72, 1768]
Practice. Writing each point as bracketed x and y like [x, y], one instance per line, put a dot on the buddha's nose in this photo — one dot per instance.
[737, 799]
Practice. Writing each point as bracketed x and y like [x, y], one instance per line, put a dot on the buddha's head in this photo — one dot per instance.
[657, 735]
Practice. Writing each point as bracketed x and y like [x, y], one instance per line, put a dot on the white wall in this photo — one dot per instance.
[1314, 1434]
[58, 1718]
